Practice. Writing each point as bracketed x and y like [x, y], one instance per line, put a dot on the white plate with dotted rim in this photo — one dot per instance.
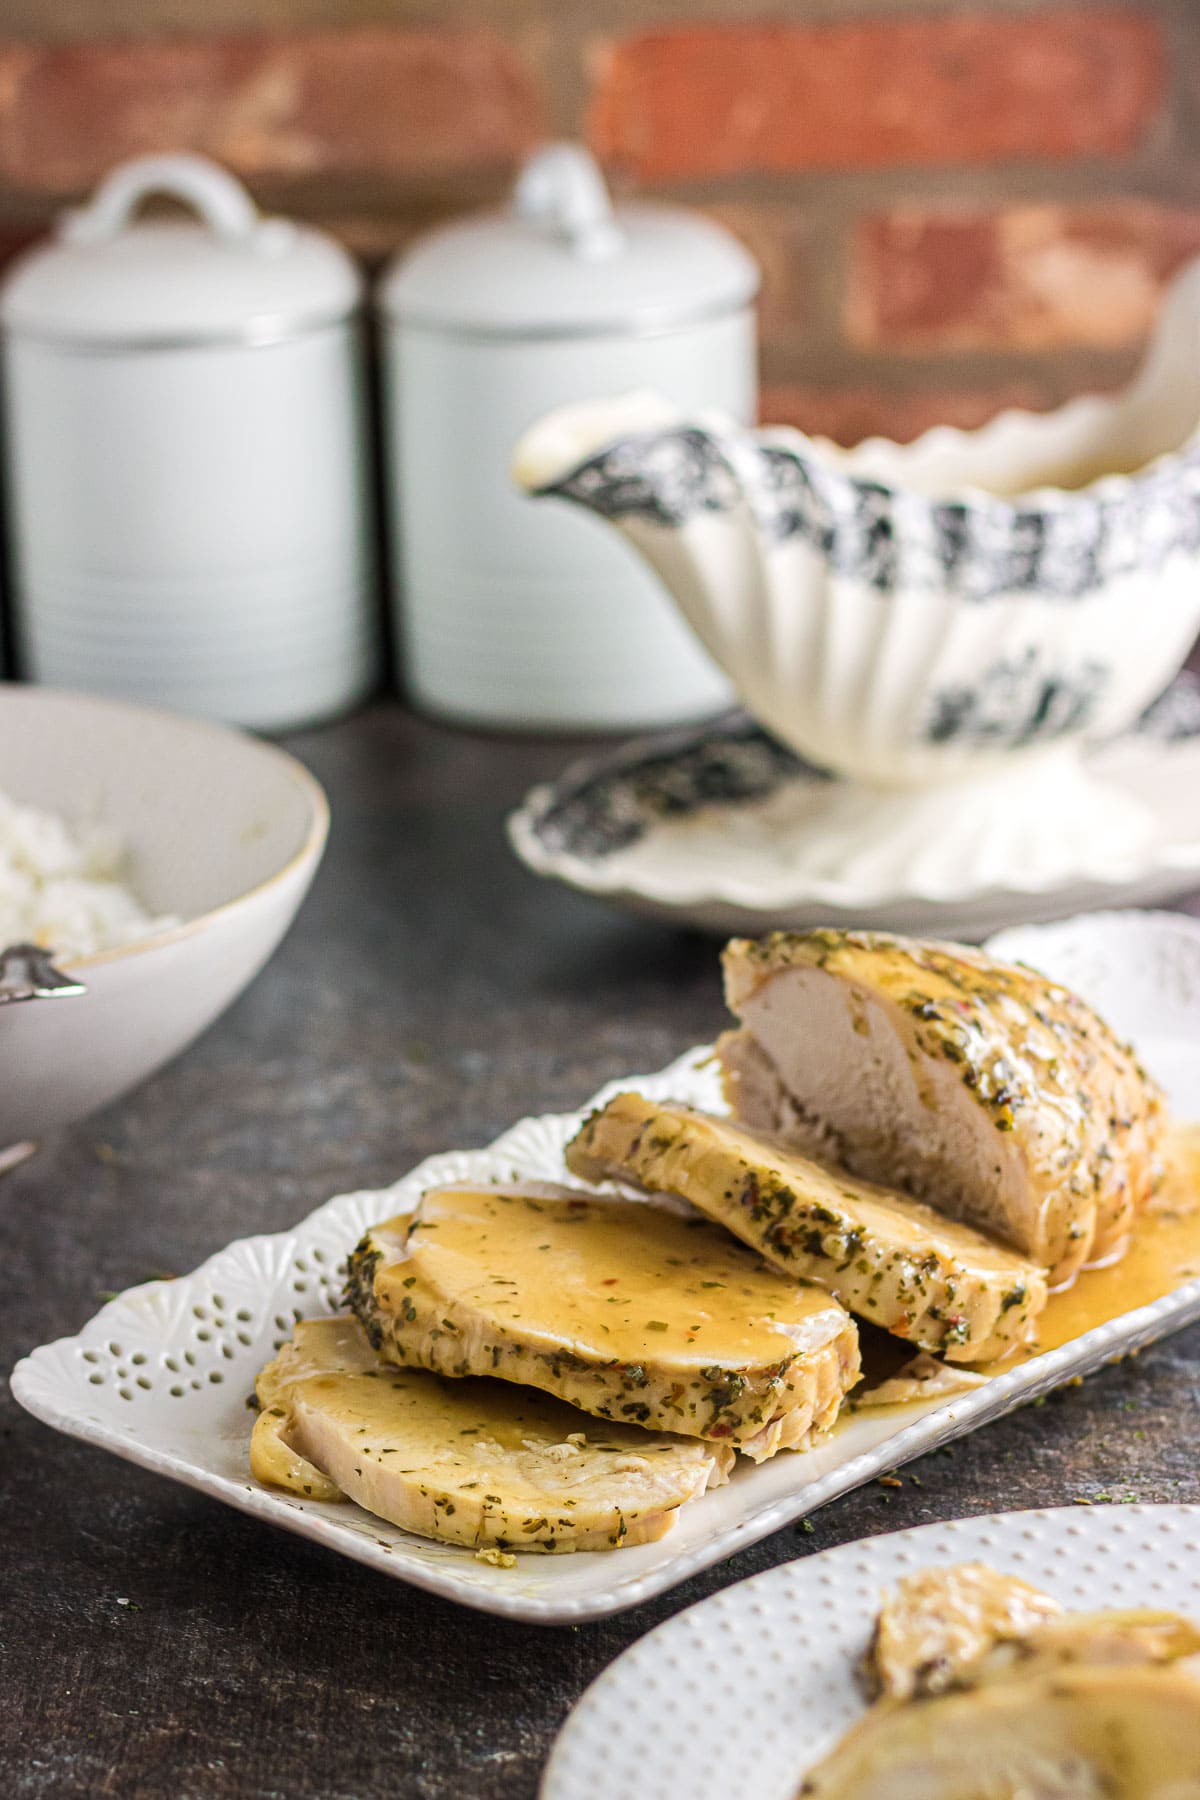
[719, 827]
[737, 1697]
[161, 1375]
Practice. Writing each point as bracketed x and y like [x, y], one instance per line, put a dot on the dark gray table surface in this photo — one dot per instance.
[431, 992]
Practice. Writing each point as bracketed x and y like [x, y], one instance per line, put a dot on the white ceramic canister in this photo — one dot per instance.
[186, 455]
[510, 612]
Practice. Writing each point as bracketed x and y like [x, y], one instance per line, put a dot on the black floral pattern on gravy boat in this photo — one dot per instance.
[614, 800]
[977, 549]
[1017, 702]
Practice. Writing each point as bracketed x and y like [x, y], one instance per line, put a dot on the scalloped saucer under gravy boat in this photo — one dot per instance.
[722, 828]
[975, 608]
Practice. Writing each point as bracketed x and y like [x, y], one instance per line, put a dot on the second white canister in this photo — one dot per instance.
[186, 456]
[513, 613]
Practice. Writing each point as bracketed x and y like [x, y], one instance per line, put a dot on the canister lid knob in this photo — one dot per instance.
[222, 203]
[560, 260]
[562, 190]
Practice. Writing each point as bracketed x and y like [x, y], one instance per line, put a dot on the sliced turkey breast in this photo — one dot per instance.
[939, 1622]
[986, 1090]
[1078, 1734]
[1124, 1637]
[894, 1261]
[479, 1463]
[923, 1377]
[626, 1310]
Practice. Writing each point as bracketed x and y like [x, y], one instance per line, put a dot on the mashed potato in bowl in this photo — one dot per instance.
[61, 886]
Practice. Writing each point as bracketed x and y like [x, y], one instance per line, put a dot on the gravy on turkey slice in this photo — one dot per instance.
[626, 1310]
[919, 1275]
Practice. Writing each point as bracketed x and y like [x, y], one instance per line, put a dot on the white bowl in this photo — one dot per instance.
[223, 832]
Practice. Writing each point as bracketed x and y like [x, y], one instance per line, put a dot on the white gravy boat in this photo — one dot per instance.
[910, 615]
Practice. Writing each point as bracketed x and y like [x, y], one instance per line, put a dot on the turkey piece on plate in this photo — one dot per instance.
[938, 1624]
[624, 1309]
[986, 1090]
[923, 1277]
[1079, 1734]
[969, 1624]
[989, 1692]
[478, 1463]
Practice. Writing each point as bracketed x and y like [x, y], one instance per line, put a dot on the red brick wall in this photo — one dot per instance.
[957, 205]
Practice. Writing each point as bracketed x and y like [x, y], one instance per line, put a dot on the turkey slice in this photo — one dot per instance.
[626, 1310]
[479, 1463]
[1078, 1734]
[901, 1265]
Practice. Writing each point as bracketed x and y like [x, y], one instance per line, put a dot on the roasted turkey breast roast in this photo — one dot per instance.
[987, 1090]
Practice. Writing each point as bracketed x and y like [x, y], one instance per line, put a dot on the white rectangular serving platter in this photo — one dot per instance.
[162, 1374]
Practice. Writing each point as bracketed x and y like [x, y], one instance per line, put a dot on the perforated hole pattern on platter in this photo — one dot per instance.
[213, 1330]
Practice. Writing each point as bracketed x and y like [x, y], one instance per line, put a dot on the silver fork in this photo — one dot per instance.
[28, 973]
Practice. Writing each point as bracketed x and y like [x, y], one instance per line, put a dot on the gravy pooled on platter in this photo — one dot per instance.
[1162, 1253]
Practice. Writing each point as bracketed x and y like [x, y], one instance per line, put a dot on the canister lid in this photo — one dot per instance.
[563, 261]
[105, 280]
